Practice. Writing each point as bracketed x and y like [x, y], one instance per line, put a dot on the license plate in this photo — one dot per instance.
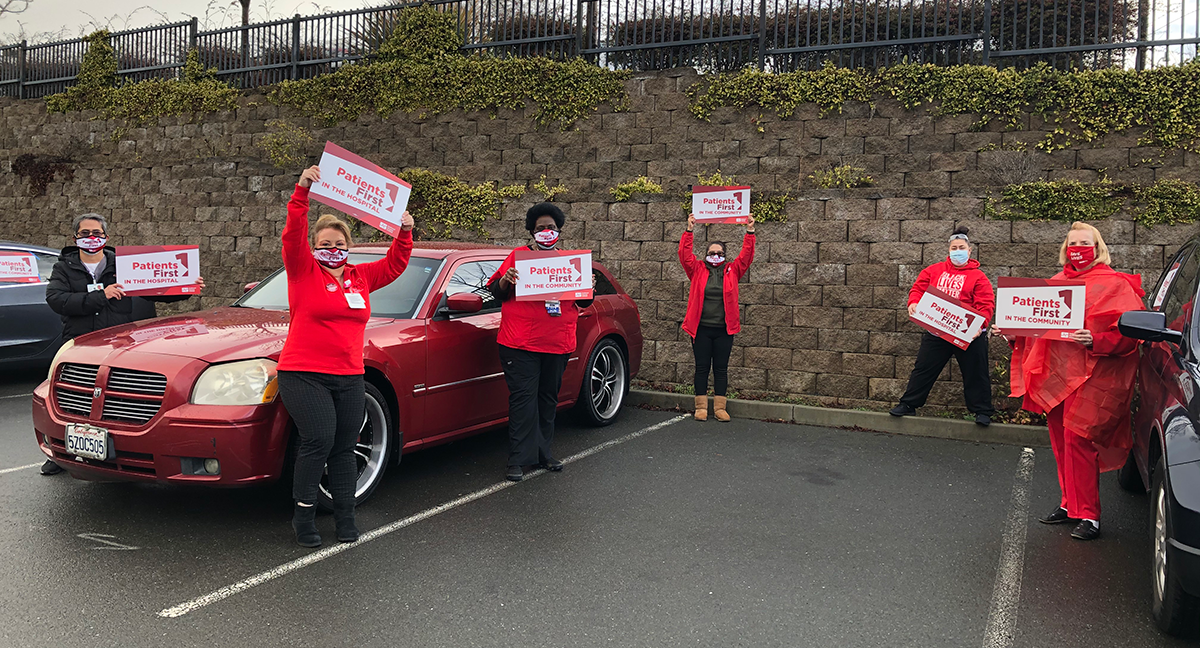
[88, 441]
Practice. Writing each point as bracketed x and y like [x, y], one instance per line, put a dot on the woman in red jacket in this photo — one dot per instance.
[960, 277]
[536, 339]
[321, 368]
[712, 313]
[1084, 385]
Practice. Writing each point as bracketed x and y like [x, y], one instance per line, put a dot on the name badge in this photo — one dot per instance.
[553, 308]
[355, 300]
[94, 287]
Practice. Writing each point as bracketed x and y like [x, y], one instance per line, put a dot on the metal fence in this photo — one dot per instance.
[711, 35]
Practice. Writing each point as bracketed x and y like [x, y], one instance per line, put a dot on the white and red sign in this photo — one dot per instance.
[1161, 296]
[721, 204]
[1039, 307]
[158, 269]
[565, 274]
[18, 267]
[948, 318]
[362, 189]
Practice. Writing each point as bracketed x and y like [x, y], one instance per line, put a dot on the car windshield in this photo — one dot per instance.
[399, 299]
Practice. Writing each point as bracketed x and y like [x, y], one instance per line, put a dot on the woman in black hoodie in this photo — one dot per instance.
[83, 289]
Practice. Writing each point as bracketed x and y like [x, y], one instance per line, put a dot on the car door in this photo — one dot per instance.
[464, 383]
[28, 328]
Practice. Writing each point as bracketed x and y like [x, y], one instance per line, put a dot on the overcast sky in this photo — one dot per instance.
[69, 18]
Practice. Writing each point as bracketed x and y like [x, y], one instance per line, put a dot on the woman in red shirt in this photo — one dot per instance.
[321, 367]
[536, 339]
[712, 313]
[958, 276]
[1084, 385]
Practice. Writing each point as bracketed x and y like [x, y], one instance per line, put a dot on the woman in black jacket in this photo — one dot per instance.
[83, 288]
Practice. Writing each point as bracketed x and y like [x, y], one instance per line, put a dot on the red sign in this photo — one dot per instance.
[948, 318]
[721, 204]
[362, 189]
[1039, 307]
[148, 270]
[556, 274]
[18, 267]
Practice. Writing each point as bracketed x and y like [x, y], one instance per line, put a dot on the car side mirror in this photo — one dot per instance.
[250, 286]
[464, 303]
[1150, 326]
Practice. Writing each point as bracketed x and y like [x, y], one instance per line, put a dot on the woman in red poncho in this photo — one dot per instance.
[1084, 385]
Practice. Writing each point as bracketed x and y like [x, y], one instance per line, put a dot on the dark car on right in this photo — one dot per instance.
[1165, 459]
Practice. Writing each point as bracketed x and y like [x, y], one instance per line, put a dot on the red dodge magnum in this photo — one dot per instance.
[192, 398]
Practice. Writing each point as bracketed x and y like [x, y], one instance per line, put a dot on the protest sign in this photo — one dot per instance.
[18, 267]
[948, 318]
[1039, 307]
[158, 269]
[721, 204]
[362, 189]
[565, 274]
[1161, 295]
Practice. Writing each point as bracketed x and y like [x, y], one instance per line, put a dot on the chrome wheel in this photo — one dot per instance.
[607, 381]
[371, 449]
[1160, 542]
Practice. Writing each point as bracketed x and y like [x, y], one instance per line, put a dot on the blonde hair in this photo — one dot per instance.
[1102, 255]
[329, 221]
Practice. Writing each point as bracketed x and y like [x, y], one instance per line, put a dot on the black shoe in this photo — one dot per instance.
[343, 520]
[51, 468]
[1086, 531]
[1057, 516]
[515, 473]
[551, 464]
[304, 522]
[902, 410]
[983, 419]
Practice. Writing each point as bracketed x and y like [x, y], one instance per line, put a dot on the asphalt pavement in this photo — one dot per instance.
[663, 532]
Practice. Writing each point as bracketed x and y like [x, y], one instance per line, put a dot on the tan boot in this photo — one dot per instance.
[719, 403]
[702, 408]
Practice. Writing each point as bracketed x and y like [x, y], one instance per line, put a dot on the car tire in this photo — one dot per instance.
[1175, 611]
[1128, 476]
[372, 450]
[605, 384]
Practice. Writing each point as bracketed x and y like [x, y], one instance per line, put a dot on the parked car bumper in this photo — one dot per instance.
[1183, 548]
[249, 443]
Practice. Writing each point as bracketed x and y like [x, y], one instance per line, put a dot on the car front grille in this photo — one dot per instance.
[73, 402]
[137, 382]
[77, 374]
[130, 395]
[129, 410]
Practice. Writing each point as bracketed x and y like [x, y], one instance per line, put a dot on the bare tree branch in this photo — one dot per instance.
[13, 6]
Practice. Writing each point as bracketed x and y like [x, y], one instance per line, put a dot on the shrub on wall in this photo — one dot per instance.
[765, 206]
[1163, 202]
[641, 185]
[441, 204]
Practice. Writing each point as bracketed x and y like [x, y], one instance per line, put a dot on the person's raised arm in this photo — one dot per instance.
[297, 255]
[687, 259]
[386, 270]
[744, 258]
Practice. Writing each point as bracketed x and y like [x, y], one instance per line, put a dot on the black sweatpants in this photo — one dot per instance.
[972, 361]
[328, 411]
[534, 380]
[712, 347]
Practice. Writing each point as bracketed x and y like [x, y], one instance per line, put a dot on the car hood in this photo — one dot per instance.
[219, 335]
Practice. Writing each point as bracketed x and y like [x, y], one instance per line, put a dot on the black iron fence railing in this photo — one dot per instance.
[711, 35]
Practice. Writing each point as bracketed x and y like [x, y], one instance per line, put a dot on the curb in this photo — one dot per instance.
[829, 417]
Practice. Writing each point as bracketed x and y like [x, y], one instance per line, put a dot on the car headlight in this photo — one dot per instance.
[248, 382]
[58, 356]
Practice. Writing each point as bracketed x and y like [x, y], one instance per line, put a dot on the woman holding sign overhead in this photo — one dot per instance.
[536, 339]
[321, 367]
[1084, 385]
[958, 277]
[712, 317]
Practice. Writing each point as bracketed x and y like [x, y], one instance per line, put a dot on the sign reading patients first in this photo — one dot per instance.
[158, 269]
[948, 318]
[362, 189]
[18, 267]
[721, 204]
[1039, 307]
[561, 275]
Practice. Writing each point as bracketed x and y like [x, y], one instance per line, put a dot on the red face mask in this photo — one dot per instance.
[1081, 256]
[331, 257]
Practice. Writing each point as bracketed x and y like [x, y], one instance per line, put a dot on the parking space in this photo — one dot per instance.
[675, 533]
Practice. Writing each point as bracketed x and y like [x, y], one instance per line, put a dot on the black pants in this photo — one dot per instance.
[972, 361]
[328, 411]
[712, 347]
[534, 380]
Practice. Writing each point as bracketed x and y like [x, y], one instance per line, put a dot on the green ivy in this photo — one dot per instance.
[1079, 106]
[438, 79]
[549, 193]
[641, 185]
[842, 177]
[286, 144]
[765, 206]
[1164, 202]
[443, 204]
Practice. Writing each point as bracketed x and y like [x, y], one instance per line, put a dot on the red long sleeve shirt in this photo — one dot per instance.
[325, 335]
[697, 274]
[967, 284]
[527, 326]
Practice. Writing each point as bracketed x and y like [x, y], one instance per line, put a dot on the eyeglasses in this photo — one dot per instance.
[543, 228]
[89, 233]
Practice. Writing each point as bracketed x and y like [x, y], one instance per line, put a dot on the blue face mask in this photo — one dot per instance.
[959, 257]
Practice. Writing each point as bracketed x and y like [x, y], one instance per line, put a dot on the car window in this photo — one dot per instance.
[15, 270]
[1157, 297]
[45, 264]
[603, 285]
[399, 299]
[472, 277]
[1180, 292]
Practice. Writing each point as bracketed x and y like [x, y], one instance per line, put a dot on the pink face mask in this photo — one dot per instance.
[715, 259]
[331, 257]
[546, 238]
[91, 244]
[1081, 256]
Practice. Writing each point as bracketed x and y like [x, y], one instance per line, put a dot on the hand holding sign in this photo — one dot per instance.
[311, 174]
[556, 275]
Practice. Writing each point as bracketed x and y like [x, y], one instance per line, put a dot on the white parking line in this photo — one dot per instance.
[329, 552]
[1006, 596]
[17, 396]
[5, 471]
